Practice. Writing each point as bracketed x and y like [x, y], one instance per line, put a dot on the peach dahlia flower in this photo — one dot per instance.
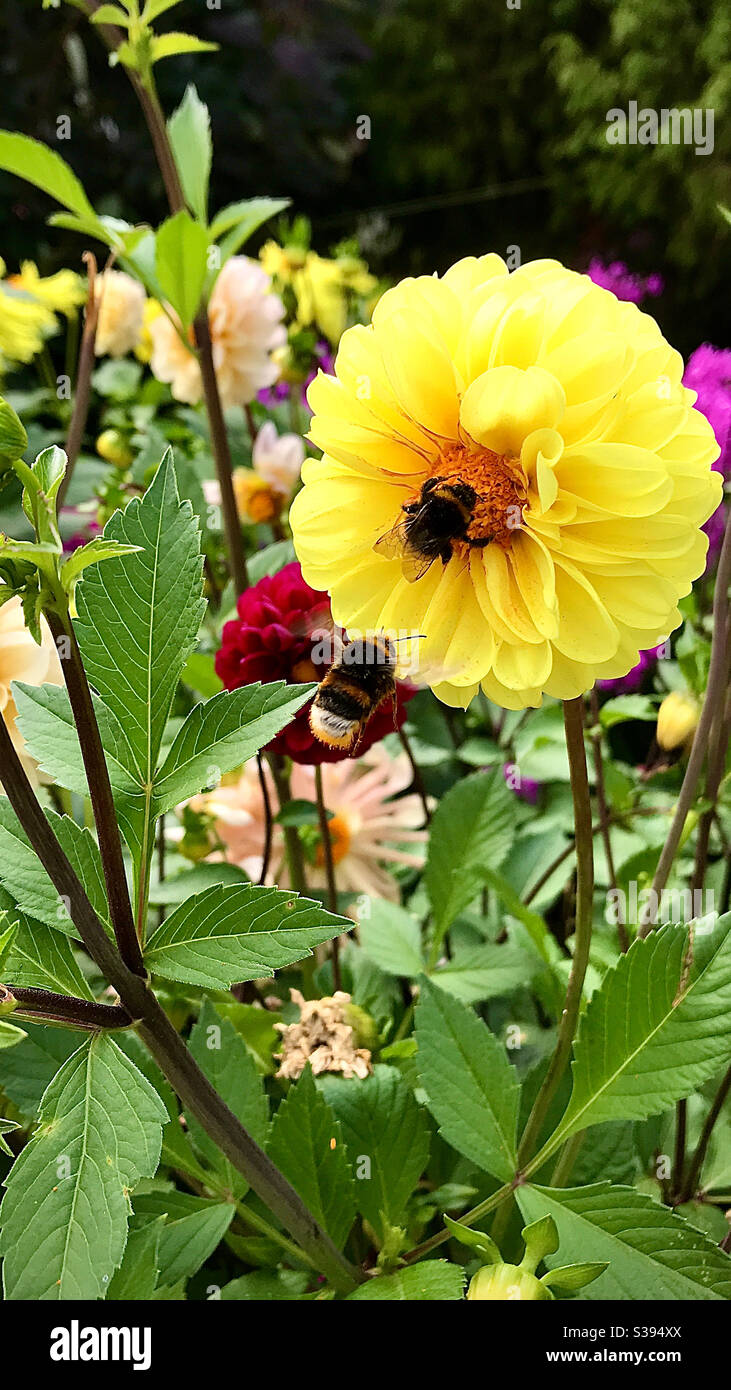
[245, 322]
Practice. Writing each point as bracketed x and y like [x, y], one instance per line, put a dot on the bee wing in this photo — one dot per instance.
[394, 545]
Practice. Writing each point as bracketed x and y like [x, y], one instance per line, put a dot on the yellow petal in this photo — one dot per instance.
[504, 405]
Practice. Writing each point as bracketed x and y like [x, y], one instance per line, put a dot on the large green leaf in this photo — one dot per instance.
[224, 1057]
[302, 1147]
[47, 724]
[35, 162]
[238, 932]
[652, 1253]
[64, 1216]
[387, 1140]
[472, 1090]
[139, 616]
[392, 938]
[221, 734]
[43, 959]
[472, 826]
[25, 878]
[189, 129]
[430, 1281]
[644, 1043]
[181, 262]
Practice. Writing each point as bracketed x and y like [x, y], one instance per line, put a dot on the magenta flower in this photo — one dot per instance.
[623, 283]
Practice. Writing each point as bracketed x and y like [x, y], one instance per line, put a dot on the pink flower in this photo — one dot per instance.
[370, 825]
[278, 458]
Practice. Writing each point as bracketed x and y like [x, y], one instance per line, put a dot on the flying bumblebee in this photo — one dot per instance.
[357, 684]
[441, 515]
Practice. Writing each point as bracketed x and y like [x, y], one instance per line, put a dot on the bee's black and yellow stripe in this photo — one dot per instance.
[351, 692]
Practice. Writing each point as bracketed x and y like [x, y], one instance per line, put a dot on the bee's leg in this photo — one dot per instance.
[480, 543]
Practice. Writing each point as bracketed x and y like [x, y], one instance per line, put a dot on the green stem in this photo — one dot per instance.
[293, 844]
[567, 1159]
[97, 775]
[574, 724]
[327, 854]
[715, 696]
[696, 1164]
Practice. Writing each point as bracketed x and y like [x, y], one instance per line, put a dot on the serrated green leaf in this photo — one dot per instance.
[485, 972]
[43, 959]
[37, 164]
[64, 1215]
[641, 1045]
[189, 129]
[473, 825]
[301, 1145]
[24, 877]
[136, 1278]
[139, 616]
[432, 1280]
[238, 932]
[224, 1057]
[170, 45]
[236, 223]
[193, 1229]
[93, 553]
[472, 1090]
[381, 1123]
[221, 734]
[391, 937]
[6, 1127]
[181, 262]
[652, 1254]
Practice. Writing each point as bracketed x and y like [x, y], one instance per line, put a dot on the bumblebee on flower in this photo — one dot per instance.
[541, 392]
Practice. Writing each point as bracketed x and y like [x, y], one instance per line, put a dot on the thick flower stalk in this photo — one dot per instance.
[564, 410]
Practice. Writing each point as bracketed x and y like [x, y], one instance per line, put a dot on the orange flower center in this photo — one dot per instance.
[500, 486]
[339, 839]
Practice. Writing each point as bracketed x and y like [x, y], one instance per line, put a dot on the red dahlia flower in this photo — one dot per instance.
[272, 640]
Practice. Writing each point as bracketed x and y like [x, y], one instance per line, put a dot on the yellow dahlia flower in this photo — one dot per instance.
[62, 292]
[564, 410]
[25, 323]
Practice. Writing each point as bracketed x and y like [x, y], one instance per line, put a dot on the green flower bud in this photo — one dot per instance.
[503, 1283]
[365, 1032]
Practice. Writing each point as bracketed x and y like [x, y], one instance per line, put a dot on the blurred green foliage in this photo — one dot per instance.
[487, 129]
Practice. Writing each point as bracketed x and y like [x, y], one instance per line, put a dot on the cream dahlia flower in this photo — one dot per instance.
[368, 829]
[278, 458]
[121, 313]
[245, 322]
[564, 410]
[21, 659]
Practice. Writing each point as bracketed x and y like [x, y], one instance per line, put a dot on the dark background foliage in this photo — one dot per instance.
[487, 129]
